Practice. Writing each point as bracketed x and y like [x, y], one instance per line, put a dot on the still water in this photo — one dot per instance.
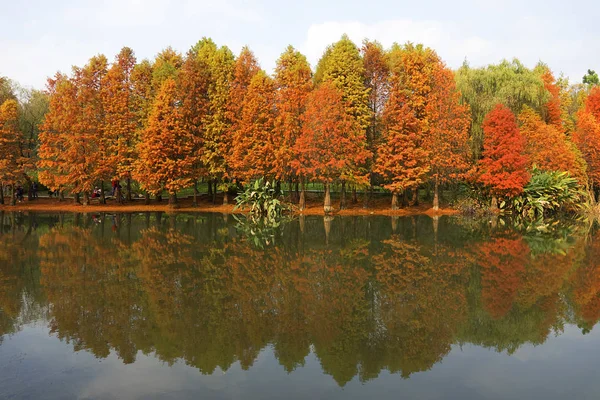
[157, 306]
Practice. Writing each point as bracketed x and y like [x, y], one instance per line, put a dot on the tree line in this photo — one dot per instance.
[397, 118]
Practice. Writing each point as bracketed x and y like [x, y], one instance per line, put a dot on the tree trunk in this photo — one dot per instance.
[215, 191]
[415, 197]
[343, 196]
[395, 201]
[225, 198]
[172, 199]
[102, 193]
[327, 204]
[354, 195]
[277, 187]
[86, 198]
[29, 190]
[327, 224]
[291, 190]
[302, 200]
[1, 194]
[404, 198]
[159, 197]
[366, 199]
[210, 191]
[297, 192]
[118, 194]
[77, 198]
[195, 201]
[13, 196]
[494, 203]
[61, 195]
[436, 195]
[128, 195]
[146, 198]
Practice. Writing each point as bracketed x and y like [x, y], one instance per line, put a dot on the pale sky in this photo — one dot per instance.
[40, 37]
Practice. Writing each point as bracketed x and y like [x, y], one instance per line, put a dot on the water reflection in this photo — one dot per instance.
[363, 294]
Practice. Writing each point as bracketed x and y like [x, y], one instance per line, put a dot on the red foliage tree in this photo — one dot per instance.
[503, 168]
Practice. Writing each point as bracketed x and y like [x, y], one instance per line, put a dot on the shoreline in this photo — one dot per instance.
[378, 207]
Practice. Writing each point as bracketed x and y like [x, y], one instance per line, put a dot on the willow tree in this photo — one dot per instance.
[343, 67]
[509, 83]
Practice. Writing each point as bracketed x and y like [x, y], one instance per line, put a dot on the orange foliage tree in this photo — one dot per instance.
[193, 87]
[293, 83]
[52, 165]
[587, 135]
[377, 79]
[447, 139]
[552, 110]
[120, 128]
[13, 161]
[400, 159]
[503, 168]
[332, 144]
[246, 66]
[253, 147]
[166, 148]
[548, 148]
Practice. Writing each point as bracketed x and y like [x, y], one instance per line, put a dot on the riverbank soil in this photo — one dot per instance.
[314, 206]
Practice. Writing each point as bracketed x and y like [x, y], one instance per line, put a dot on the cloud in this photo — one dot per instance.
[528, 38]
[452, 44]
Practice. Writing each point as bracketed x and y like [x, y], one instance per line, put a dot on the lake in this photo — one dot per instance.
[186, 306]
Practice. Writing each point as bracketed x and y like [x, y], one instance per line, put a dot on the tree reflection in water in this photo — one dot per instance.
[365, 294]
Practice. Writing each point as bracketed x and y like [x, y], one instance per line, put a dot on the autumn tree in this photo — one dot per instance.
[119, 138]
[193, 94]
[503, 168]
[446, 136]
[13, 159]
[332, 144]
[548, 148]
[53, 165]
[253, 149]
[587, 135]
[293, 84]
[165, 149]
[71, 139]
[84, 150]
[400, 159]
[551, 110]
[342, 66]
[219, 64]
[166, 65]
[377, 80]
[246, 66]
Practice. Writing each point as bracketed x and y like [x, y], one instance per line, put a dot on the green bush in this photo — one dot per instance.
[263, 199]
[547, 193]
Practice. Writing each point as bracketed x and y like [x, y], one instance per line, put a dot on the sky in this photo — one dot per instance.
[40, 37]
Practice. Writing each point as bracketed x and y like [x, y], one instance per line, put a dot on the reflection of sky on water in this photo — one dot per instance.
[34, 364]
